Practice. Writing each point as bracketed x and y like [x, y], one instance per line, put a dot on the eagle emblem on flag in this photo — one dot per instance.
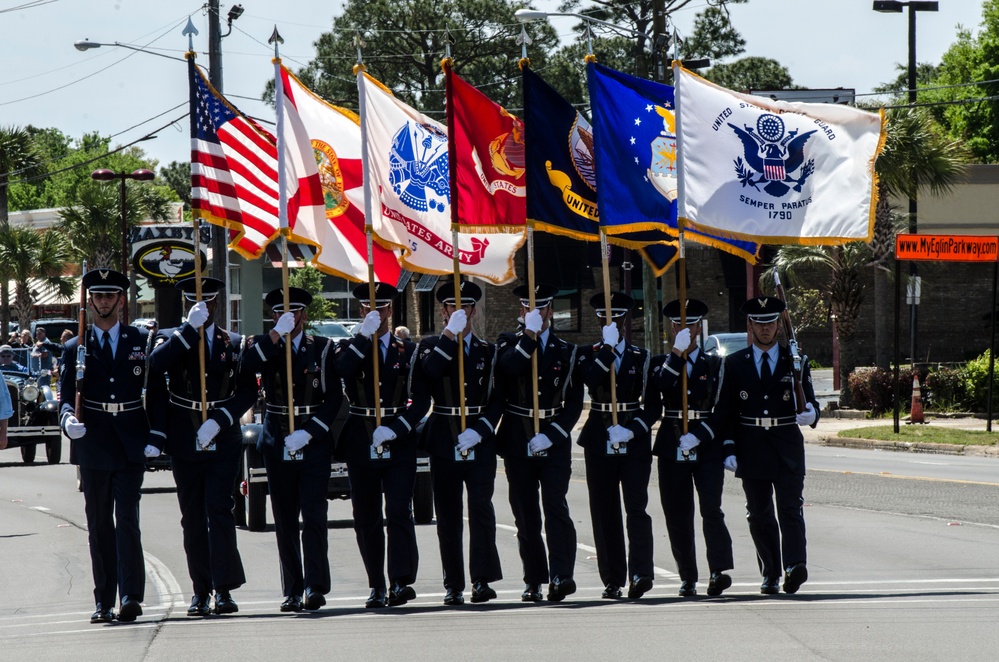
[419, 167]
[772, 156]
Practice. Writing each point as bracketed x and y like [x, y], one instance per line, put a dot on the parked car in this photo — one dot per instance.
[723, 344]
[332, 329]
[36, 411]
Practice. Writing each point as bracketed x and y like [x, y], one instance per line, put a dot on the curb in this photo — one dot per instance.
[910, 447]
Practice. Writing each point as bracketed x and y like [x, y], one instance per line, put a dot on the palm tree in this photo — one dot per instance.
[27, 254]
[17, 153]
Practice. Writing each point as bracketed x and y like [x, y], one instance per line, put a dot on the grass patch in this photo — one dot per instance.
[924, 434]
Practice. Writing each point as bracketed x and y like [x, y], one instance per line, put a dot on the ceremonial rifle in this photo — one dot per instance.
[792, 343]
[81, 347]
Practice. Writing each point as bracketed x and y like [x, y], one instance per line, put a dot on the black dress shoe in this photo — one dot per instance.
[718, 583]
[313, 599]
[532, 593]
[291, 603]
[611, 592]
[224, 604]
[454, 597]
[400, 595]
[199, 606]
[797, 575]
[688, 589]
[130, 610]
[376, 600]
[561, 587]
[482, 592]
[639, 586]
[770, 586]
[102, 615]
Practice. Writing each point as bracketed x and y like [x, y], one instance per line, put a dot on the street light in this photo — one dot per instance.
[105, 175]
[84, 45]
[896, 7]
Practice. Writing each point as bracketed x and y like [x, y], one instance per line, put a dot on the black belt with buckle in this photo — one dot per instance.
[529, 412]
[692, 414]
[621, 406]
[297, 411]
[766, 422]
[112, 407]
[457, 411]
[196, 404]
[371, 412]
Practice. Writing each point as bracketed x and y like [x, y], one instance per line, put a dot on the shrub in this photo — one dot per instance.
[976, 384]
[871, 388]
[947, 390]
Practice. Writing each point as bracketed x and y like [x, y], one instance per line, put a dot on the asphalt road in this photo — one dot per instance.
[903, 564]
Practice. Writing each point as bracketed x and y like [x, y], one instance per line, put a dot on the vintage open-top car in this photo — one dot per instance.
[36, 408]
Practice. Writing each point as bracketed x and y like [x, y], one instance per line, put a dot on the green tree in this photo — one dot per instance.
[177, 176]
[751, 73]
[311, 279]
[17, 155]
[27, 254]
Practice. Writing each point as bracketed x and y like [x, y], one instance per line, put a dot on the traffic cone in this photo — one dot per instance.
[916, 408]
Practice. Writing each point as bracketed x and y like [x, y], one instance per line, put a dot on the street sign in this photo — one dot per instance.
[946, 248]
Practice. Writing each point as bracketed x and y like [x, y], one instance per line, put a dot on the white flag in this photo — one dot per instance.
[772, 171]
[407, 181]
[322, 162]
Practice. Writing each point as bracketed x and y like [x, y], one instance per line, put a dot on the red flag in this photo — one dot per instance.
[488, 144]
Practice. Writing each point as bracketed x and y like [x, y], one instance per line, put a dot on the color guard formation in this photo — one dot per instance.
[518, 399]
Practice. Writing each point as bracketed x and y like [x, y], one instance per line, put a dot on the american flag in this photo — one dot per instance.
[234, 169]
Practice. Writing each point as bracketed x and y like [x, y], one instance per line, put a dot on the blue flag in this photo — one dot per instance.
[562, 180]
[634, 141]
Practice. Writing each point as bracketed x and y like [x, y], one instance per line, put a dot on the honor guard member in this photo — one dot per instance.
[110, 444]
[462, 458]
[381, 459]
[204, 455]
[619, 457]
[298, 462]
[756, 406]
[680, 471]
[542, 460]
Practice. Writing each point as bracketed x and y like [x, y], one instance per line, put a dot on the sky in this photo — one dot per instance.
[118, 92]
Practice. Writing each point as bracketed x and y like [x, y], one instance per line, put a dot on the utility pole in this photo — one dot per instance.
[220, 235]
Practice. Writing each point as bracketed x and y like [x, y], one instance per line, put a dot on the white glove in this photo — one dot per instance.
[151, 451]
[611, 335]
[806, 417]
[468, 439]
[198, 315]
[618, 434]
[370, 325]
[207, 432]
[533, 321]
[297, 440]
[682, 340]
[285, 324]
[382, 434]
[688, 442]
[731, 464]
[540, 442]
[456, 323]
[74, 428]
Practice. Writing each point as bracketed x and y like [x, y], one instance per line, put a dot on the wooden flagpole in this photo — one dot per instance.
[201, 330]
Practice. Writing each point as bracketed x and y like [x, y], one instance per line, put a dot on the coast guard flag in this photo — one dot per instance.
[322, 159]
[562, 179]
[408, 188]
[234, 170]
[488, 144]
[774, 171]
[634, 140]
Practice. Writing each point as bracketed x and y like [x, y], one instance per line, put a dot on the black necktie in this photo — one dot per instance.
[765, 373]
[106, 348]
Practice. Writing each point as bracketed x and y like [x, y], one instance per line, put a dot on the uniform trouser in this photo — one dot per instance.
[301, 488]
[608, 477]
[677, 481]
[112, 506]
[204, 491]
[368, 482]
[770, 539]
[551, 475]
[478, 477]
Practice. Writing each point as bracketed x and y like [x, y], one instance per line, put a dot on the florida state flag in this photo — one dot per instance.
[488, 153]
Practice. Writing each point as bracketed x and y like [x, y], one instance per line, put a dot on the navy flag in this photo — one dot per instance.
[562, 178]
[634, 141]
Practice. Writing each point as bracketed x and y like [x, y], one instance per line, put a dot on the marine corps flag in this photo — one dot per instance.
[774, 171]
[323, 157]
[561, 175]
[488, 145]
[634, 142]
